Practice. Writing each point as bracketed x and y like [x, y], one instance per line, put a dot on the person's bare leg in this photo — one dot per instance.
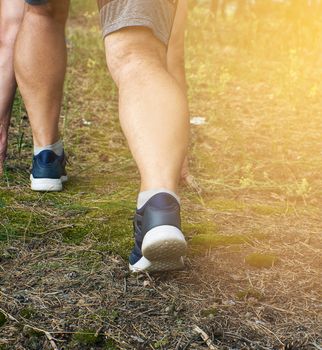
[40, 64]
[152, 106]
[11, 13]
[176, 60]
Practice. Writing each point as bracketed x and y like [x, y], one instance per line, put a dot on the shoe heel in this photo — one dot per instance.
[164, 243]
[46, 185]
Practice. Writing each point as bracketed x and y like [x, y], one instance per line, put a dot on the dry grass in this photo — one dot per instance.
[68, 290]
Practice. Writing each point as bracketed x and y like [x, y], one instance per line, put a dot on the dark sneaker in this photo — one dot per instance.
[48, 171]
[159, 243]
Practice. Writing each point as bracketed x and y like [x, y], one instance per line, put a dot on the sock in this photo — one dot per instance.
[146, 195]
[56, 147]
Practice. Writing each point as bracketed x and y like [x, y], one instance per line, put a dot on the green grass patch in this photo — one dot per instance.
[260, 260]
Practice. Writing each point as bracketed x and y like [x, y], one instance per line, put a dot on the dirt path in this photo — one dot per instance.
[253, 272]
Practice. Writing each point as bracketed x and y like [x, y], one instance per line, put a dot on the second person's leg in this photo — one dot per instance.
[40, 64]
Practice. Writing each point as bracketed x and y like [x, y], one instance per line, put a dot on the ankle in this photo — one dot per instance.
[56, 147]
[145, 196]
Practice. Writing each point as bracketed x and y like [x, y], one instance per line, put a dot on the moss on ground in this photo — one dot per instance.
[87, 337]
[79, 230]
[27, 312]
[17, 223]
[261, 260]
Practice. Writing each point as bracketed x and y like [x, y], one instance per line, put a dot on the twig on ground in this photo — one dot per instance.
[178, 344]
[278, 308]
[205, 338]
[8, 315]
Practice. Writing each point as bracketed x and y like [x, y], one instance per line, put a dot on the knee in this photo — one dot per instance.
[130, 55]
[56, 11]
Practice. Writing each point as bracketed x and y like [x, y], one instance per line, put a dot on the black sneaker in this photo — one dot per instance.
[48, 171]
[159, 243]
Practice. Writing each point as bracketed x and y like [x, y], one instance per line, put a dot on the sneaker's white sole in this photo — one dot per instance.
[47, 185]
[163, 248]
[157, 266]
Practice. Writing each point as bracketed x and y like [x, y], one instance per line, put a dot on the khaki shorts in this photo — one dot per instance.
[157, 15]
